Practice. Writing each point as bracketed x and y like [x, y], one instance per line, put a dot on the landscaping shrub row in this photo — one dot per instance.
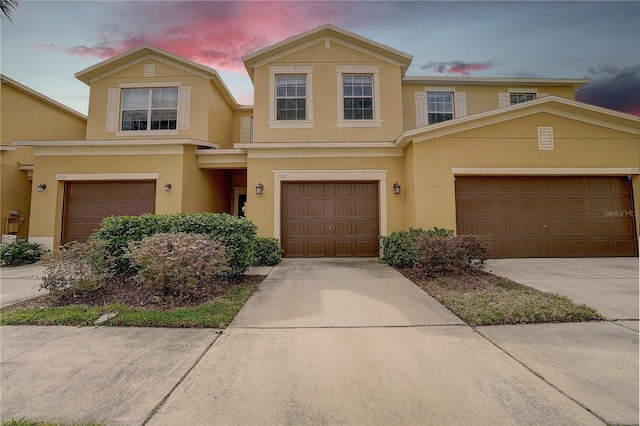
[435, 251]
[237, 235]
[20, 252]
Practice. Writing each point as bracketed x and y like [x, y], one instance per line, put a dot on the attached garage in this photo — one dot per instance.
[550, 216]
[330, 219]
[87, 203]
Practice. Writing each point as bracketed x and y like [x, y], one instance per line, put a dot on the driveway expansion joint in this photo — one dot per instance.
[330, 327]
[182, 379]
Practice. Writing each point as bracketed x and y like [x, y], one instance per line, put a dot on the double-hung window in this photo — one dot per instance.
[518, 98]
[357, 96]
[149, 109]
[439, 107]
[291, 97]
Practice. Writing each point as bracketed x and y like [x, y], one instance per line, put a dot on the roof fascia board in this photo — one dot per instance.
[321, 40]
[153, 56]
[496, 81]
[594, 121]
[40, 96]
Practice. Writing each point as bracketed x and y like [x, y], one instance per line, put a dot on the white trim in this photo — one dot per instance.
[523, 90]
[115, 142]
[313, 145]
[149, 84]
[377, 117]
[545, 138]
[440, 89]
[108, 150]
[147, 133]
[554, 171]
[70, 177]
[295, 124]
[7, 148]
[280, 176]
[327, 153]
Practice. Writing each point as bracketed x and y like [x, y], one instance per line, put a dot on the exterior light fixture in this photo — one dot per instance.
[41, 187]
[259, 188]
[167, 187]
[396, 188]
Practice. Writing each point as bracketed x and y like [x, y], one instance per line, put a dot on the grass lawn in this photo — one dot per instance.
[214, 313]
[484, 299]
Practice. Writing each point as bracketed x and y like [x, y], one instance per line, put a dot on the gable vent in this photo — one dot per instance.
[545, 138]
[149, 70]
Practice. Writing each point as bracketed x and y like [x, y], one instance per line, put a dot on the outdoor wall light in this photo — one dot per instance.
[167, 187]
[41, 187]
[396, 188]
[259, 188]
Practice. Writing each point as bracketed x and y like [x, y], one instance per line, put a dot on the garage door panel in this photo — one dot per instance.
[584, 216]
[86, 204]
[337, 217]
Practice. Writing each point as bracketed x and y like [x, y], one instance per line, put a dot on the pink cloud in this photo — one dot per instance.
[215, 34]
[457, 67]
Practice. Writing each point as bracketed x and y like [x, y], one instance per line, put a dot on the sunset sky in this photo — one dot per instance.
[49, 41]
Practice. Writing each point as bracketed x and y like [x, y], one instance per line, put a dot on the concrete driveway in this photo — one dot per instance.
[608, 284]
[325, 341]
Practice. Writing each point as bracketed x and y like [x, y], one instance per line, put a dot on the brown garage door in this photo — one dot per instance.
[87, 203]
[327, 219]
[549, 216]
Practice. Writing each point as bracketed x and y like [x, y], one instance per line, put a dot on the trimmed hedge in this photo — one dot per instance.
[400, 248]
[267, 252]
[237, 235]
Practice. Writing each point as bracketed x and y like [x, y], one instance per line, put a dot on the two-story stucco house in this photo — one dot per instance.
[341, 147]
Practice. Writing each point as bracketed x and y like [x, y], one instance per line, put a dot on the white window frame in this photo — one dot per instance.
[341, 121]
[290, 124]
[114, 109]
[504, 99]
[459, 104]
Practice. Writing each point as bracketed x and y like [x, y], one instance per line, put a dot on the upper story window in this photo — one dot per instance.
[438, 104]
[357, 96]
[291, 97]
[518, 98]
[439, 107]
[149, 109]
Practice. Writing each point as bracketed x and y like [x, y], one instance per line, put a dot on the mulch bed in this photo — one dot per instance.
[124, 290]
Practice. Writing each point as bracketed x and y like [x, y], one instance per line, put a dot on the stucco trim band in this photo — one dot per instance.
[106, 176]
[556, 171]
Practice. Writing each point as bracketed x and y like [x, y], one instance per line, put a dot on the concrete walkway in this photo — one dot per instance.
[325, 341]
[18, 283]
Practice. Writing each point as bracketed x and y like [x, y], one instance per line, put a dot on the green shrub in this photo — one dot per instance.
[20, 252]
[400, 249]
[178, 264]
[438, 255]
[266, 252]
[237, 235]
[79, 266]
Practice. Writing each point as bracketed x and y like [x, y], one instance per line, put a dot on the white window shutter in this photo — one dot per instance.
[460, 101]
[545, 138]
[246, 124]
[503, 100]
[421, 109]
[184, 100]
[113, 105]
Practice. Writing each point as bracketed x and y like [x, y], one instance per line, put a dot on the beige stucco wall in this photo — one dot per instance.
[325, 96]
[206, 103]
[203, 190]
[46, 216]
[25, 116]
[513, 144]
[260, 208]
[479, 98]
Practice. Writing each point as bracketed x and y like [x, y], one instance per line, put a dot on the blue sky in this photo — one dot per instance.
[47, 42]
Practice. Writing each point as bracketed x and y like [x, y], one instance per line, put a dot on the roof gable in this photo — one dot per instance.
[146, 52]
[326, 32]
[550, 104]
[41, 97]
